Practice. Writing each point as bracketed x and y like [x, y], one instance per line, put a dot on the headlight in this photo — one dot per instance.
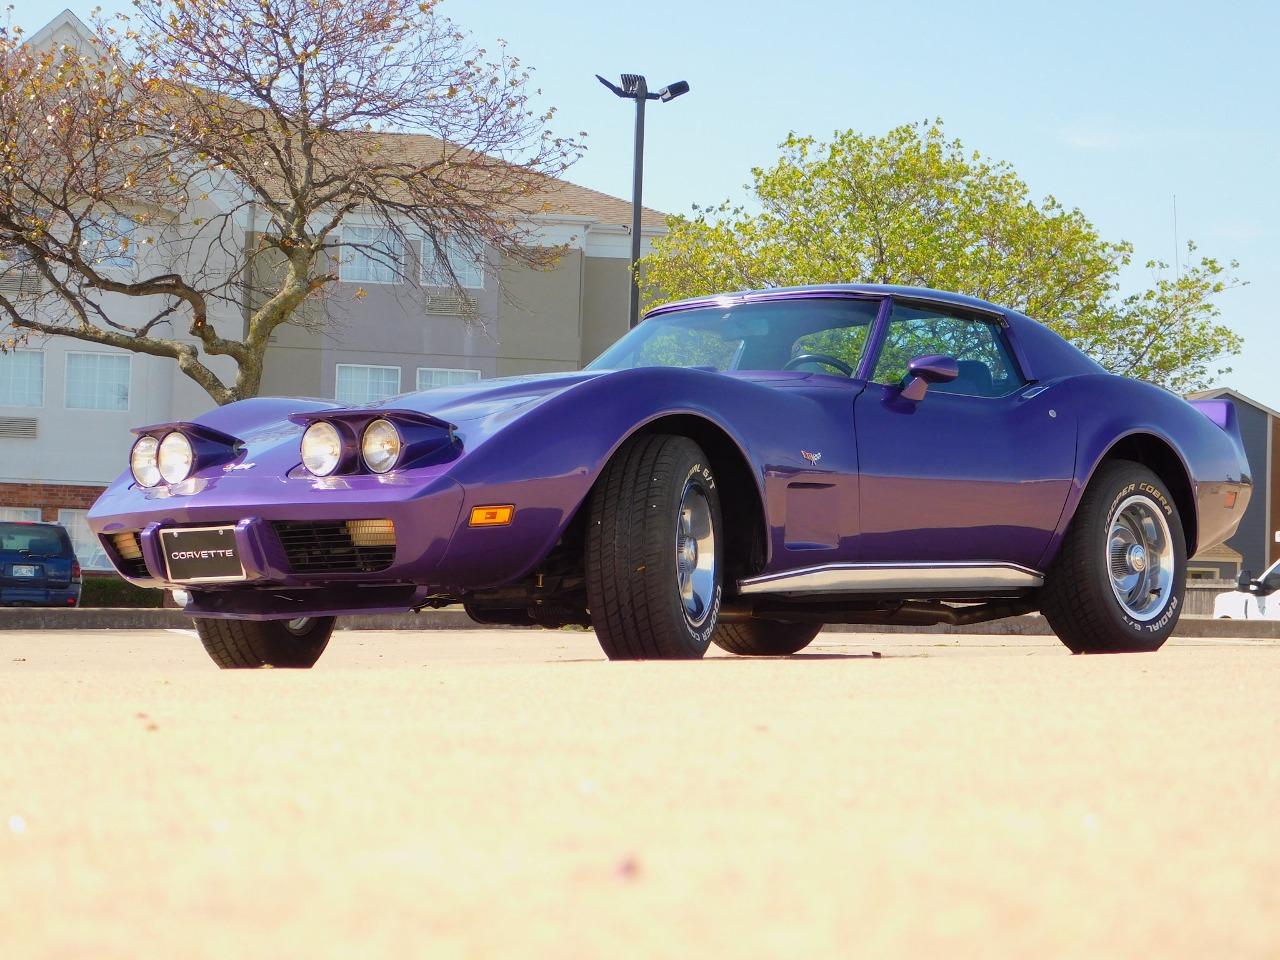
[321, 448]
[142, 461]
[175, 458]
[381, 446]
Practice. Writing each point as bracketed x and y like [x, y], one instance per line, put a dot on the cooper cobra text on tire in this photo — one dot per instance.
[655, 551]
[246, 644]
[1118, 582]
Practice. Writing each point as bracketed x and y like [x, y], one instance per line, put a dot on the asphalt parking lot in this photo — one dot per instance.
[510, 793]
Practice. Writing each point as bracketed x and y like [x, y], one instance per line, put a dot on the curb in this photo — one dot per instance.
[122, 618]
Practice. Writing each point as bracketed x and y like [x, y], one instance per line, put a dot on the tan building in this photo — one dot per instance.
[66, 407]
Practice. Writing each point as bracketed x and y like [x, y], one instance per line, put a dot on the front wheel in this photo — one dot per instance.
[655, 551]
[247, 644]
[1117, 584]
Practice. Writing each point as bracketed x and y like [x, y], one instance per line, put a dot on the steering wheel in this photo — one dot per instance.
[829, 360]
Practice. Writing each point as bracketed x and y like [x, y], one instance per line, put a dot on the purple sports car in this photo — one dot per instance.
[736, 470]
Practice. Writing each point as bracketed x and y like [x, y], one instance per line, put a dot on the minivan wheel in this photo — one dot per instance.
[1118, 582]
[655, 551]
[248, 644]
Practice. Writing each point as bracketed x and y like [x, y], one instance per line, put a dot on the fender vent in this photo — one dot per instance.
[19, 428]
[337, 546]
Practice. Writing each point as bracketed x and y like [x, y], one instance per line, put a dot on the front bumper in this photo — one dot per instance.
[425, 518]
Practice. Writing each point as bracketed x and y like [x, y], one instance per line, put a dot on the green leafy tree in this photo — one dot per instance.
[915, 208]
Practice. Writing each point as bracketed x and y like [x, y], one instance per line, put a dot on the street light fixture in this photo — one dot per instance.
[635, 87]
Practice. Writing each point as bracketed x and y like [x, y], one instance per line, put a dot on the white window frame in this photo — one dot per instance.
[20, 515]
[43, 366]
[66, 384]
[366, 366]
[417, 380]
[84, 542]
[94, 236]
[355, 261]
[431, 275]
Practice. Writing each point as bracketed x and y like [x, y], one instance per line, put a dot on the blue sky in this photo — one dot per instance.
[1112, 107]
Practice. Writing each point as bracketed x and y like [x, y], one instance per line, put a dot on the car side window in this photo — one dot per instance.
[987, 367]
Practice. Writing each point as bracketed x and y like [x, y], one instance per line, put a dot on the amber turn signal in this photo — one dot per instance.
[498, 516]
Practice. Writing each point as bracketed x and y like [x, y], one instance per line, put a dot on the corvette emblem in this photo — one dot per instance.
[238, 466]
[811, 457]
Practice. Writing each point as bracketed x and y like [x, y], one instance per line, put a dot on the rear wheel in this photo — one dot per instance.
[246, 644]
[1117, 584]
[764, 638]
[654, 551]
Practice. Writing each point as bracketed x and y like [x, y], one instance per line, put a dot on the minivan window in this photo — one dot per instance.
[33, 539]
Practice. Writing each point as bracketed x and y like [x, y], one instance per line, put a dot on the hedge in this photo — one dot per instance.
[112, 591]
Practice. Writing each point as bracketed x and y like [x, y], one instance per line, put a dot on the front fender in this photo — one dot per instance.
[546, 460]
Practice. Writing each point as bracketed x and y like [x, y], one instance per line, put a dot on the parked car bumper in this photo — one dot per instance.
[68, 596]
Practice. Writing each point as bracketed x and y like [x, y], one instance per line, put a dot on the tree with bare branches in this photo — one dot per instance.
[156, 163]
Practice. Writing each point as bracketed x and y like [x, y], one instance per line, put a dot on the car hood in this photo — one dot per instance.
[485, 398]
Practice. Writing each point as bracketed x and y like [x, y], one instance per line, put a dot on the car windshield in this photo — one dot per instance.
[31, 538]
[1272, 575]
[764, 335]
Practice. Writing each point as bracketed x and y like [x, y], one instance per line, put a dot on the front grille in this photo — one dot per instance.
[128, 554]
[337, 546]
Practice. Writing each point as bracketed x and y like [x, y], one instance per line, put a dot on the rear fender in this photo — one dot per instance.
[1113, 409]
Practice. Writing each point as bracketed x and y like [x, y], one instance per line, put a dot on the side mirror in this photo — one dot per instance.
[930, 368]
[1245, 580]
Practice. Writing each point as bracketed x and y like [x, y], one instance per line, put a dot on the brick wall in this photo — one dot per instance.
[49, 497]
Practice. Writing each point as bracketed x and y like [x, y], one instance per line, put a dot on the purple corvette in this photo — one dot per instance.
[737, 470]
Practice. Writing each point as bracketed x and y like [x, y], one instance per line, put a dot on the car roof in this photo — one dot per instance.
[1044, 353]
[843, 289]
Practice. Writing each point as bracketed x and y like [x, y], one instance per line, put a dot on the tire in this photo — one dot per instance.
[1079, 600]
[249, 644]
[764, 638]
[655, 491]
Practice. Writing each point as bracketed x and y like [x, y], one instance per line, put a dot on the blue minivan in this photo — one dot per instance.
[38, 567]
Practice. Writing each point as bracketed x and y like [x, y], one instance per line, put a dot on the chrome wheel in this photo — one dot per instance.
[298, 625]
[695, 555]
[1140, 558]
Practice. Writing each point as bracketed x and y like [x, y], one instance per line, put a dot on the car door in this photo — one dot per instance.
[980, 468]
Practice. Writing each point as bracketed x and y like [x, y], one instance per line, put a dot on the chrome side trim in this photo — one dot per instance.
[895, 577]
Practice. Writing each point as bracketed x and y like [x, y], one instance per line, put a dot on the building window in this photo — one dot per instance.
[429, 377]
[108, 241]
[22, 378]
[371, 255]
[20, 514]
[357, 383]
[87, 546]
[97, 381]
[467, 268]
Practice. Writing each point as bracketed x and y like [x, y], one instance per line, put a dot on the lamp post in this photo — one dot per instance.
[635, 87]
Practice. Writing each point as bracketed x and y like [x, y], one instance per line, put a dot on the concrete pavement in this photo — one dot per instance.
[510, 793]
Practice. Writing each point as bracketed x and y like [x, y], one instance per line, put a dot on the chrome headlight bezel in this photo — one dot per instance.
[327, 463]
[185, 456]
[144, 461]
[385, 433]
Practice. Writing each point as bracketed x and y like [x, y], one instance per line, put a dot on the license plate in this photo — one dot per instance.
[25, 570]
[201, 554]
